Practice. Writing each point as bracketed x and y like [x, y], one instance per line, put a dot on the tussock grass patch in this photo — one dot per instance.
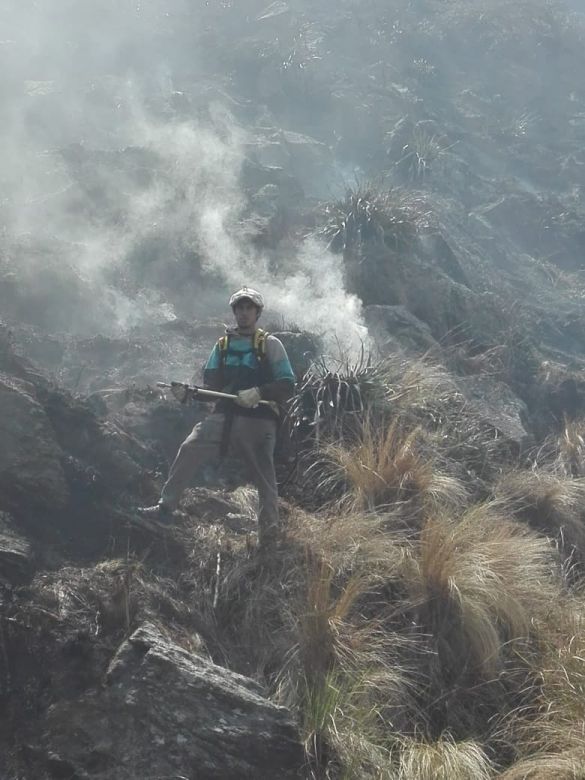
[552, 503]
[342, 674]
[565, 766]
[571, 449]
[389, 464]
[552, 725]
[443, 760]
[476, 581]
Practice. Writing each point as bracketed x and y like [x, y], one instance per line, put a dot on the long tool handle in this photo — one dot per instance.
[211, 394]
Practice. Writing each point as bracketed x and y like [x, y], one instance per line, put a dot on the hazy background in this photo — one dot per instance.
[131, 133]
[115, 179]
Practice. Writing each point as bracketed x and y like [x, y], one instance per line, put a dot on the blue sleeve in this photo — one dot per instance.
[282, 369]
[212, 374]
[214, 359]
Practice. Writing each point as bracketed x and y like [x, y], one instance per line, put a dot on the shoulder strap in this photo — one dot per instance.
[259, 343]
[223, 345]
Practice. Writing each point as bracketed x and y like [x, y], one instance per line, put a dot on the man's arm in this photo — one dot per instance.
[283, 384]
[212, 373]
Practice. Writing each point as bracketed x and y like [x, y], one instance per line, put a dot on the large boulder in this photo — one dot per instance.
[165, 712]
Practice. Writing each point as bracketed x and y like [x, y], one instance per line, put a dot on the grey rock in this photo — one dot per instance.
[495, 403]
[165, 712]
[30, 458]
[395, 325]
[309, 159]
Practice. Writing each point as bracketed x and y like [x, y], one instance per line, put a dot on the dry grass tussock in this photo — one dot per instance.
[349, 541]
[343, 674]
[552, 728]
[552, 503]
[423, 393]
[443, 760]
[390, 465]
[568, 766]
[476, 582]
[415, 383]
[570, 447]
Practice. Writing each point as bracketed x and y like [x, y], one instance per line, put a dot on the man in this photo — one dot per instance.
[254, 366]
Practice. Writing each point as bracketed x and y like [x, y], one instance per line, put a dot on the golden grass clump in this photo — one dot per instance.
[476, 582]
[547, 767]
[343, 674]
[443, 760]
[552, 728]
[389, 465]
[571, 448]
[551, 503]
[338, 671]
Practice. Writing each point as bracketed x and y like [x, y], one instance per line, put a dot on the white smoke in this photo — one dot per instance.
[76, 213]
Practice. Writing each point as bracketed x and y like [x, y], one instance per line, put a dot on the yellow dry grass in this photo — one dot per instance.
[443, 760]
[552, 503]
[571, 448]
[478, 580]
[390, 465]
[565, 766]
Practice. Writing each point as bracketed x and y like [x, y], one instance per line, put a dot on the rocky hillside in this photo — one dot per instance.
[405, 186]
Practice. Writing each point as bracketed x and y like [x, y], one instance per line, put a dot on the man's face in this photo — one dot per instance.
[246, 314]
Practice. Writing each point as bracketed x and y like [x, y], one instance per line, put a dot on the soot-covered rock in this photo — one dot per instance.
[168, 713]
[496, 405]
[30, 457]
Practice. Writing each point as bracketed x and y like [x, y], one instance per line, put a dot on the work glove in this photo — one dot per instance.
[180, 391]
[249, 398]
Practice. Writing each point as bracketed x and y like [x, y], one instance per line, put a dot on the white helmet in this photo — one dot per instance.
[247, 293]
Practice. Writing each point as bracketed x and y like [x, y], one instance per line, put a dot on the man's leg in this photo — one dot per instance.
[201, 446]
[254, 439]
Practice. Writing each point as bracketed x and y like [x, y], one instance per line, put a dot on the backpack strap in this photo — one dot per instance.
[223, 345]
[259, 343]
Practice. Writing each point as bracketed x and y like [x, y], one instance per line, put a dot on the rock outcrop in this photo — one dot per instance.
[165, 712]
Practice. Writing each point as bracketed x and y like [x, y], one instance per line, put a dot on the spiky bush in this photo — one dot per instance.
[372, 215]
[424, 152]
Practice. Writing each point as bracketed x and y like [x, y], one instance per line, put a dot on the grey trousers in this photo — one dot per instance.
[252, 439]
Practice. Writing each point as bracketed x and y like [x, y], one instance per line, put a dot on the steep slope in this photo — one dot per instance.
[400, 181]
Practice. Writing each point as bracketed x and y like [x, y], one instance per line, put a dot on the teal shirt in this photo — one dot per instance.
[242, 361]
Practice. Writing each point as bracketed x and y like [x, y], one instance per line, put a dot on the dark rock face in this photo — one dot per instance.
[395, 325]
[167, 713]
[496, 405]
[30, 457]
